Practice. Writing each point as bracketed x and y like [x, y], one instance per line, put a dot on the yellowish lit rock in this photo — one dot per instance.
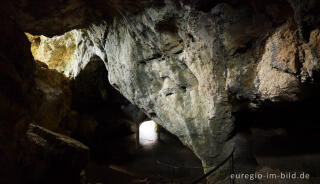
[68, 53]
[57, 52]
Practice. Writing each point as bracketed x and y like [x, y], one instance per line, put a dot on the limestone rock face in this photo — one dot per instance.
[68, 53]
[188, 69]
[181, 65]
[159, 61]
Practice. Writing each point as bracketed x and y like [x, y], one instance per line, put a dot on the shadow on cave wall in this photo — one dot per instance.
[96, 118]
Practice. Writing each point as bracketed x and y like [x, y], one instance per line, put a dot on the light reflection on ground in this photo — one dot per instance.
[148, 132]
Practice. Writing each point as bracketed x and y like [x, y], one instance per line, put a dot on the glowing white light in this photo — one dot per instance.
[147, 132]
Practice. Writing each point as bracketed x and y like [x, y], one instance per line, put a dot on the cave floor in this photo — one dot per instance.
[288, 151]
[165, 160]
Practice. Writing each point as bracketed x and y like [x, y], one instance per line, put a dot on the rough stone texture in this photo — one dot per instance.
[278, 63]
[173, 82]
[51, 157]
[190, 67]
[53, 97]
[68, 53]
[181, 66]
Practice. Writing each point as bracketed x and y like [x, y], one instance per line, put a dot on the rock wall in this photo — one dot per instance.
[189, 69]
[24, 95]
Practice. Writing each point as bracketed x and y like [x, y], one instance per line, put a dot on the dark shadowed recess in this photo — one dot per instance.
[293, 126]
[284, 135]
[259, 6]
[283, 129]
[93, 96]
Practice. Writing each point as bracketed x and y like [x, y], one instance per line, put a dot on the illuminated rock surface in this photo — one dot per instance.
[68, 53]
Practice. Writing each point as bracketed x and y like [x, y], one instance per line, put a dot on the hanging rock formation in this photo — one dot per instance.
[188, 69]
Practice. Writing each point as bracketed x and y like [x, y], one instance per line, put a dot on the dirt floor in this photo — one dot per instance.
[162, 161]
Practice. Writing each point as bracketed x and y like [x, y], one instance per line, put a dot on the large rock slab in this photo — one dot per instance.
[51, 157]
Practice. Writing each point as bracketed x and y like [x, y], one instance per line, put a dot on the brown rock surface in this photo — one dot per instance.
[53, 97]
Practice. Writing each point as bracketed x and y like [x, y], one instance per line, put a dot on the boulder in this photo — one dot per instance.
[50, 157]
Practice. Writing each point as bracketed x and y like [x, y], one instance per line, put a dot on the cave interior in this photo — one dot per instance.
[159, 91]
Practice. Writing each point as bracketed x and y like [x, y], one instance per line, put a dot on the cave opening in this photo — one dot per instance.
[148, 132]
